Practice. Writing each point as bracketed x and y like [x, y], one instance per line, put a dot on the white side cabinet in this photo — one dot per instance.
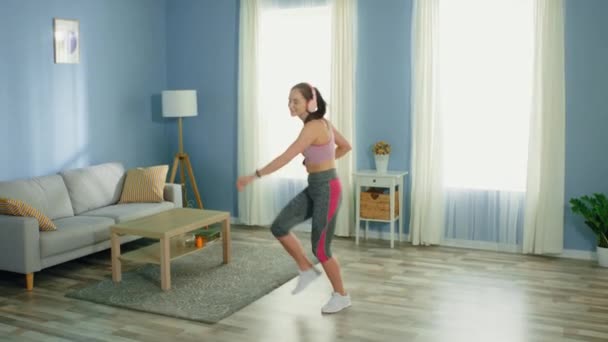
[391, 180]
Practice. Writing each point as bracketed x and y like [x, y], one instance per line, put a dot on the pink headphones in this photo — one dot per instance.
[312, 104]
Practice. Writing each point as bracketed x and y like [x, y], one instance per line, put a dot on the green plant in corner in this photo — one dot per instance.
[595, 212]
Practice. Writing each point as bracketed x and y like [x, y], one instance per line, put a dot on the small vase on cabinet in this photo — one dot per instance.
[381, 162]
[382, 151]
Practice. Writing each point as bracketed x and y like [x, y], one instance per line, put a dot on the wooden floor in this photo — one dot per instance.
[405, 294]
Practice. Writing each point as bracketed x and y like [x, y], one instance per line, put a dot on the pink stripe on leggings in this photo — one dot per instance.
[334, 197]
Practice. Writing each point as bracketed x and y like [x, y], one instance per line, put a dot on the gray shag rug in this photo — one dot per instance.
[202, 287]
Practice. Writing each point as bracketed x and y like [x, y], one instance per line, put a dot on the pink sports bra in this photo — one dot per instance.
[316, 154]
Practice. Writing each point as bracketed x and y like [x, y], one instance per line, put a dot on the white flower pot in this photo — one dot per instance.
[602, 256]
[381, 162]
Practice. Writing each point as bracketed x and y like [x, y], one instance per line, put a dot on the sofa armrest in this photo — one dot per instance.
[19, 244]
[173, 193]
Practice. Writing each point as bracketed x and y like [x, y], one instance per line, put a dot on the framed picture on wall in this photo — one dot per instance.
[66, 38]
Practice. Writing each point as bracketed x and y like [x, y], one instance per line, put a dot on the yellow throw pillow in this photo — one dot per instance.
[144, 184]
[19, 208]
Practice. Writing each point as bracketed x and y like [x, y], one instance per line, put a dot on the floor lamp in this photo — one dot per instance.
[179, 104]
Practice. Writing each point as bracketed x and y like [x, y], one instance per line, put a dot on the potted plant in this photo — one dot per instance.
[382, 151]
[595, 212]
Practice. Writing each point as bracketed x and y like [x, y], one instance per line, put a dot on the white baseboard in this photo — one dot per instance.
[486, 246]
[489, 246]
[482, 245]
[578, 254]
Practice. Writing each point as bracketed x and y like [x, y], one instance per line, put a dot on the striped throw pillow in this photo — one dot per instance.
[19, 208]
[144, 185]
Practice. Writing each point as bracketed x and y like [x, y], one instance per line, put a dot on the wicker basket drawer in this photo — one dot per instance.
[376, 205]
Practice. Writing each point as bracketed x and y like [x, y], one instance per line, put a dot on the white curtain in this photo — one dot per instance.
[273, 58]
[426, 217]
[544, 221]
[475, 129]
[342, 107]
[250, 202]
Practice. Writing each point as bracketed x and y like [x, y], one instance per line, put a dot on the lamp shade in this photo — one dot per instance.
[179, 103]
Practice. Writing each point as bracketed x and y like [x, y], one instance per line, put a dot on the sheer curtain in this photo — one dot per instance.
[342, 107]
[544, 224]
[474, 70]
[426, 217]
[282, 43]
[250, 201]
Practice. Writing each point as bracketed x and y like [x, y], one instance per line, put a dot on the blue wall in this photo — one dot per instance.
[57, 116]
[383, 81]
[383, 106]
[383, 94]
[107, 107]
[586, 111]
[203, 55]
[383, 87]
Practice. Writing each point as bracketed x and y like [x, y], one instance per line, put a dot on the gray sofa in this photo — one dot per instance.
[83, 205]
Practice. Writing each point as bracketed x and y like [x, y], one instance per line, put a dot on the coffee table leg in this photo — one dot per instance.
[165, 264]
[116, 266]
[226, 242]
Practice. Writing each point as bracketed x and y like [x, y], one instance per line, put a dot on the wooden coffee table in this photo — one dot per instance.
[163, 226]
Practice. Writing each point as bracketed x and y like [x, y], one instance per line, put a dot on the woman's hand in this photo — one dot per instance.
[243, 181]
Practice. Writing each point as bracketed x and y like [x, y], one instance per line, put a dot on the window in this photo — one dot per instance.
[294, 46]
[486, 60]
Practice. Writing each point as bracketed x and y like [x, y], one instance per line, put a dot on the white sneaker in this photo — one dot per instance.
[336, 303]
[305, 278]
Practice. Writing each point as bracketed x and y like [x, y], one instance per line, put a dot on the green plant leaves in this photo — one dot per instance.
[594, 209]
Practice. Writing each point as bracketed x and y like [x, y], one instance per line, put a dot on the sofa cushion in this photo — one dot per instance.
[95, 186]
[47, 194]
[145, 185]
[130, 211]
[20, 208]
[73, 233]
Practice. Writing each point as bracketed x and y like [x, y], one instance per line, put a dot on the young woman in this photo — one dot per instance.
[321, 144]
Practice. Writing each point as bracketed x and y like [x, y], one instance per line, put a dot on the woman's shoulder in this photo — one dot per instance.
[318, 124]
[313, 124]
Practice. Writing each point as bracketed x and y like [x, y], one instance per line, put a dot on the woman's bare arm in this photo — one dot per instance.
[342, 145]
[307, 136]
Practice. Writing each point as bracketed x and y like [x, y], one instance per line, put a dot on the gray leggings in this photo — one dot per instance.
[320, 200]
